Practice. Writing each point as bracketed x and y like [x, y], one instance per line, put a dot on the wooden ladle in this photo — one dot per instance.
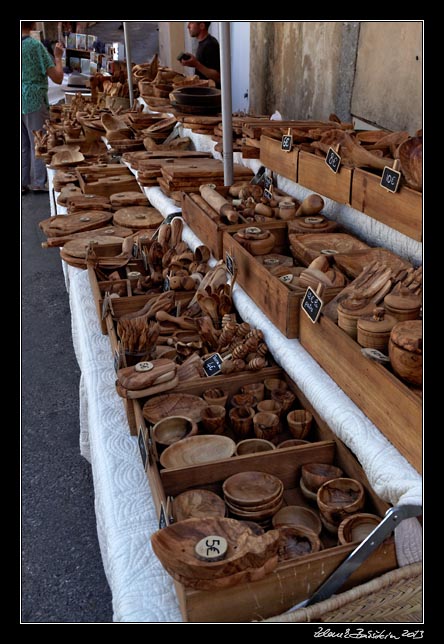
[310, 206]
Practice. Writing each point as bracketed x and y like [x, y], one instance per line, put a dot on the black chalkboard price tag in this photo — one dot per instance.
[333, 160]
[163, 521]
[212, 365]
[390, 179]
[268, 187]
[229, 261]
[287, 142]
[312, 304]
[142, 447]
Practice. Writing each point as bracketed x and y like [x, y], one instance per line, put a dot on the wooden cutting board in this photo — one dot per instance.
[75, 223]
[307, 247]
[88, 202]
[201, 168]
[78, 247]
[115, 231]
[129, 198]
[138, 217]
[353, 263]
[67, 191]
[106, 186]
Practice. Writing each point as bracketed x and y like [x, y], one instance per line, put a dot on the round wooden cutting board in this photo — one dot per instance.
[137, 217]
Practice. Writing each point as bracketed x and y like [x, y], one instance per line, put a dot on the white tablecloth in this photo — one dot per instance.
[142, 591]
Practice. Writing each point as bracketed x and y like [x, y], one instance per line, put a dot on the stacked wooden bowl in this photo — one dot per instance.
[253, 496]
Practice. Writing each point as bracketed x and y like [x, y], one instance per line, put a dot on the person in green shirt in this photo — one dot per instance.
[37, 66]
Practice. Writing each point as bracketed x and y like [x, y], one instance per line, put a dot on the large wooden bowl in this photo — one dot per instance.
[171, 429]
[297, 515]
[315, 474]
[198, 503]
[187, 405]
[252, 488]
[248, 556]
[196, 450]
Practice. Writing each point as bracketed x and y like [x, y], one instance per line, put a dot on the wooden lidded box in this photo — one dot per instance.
[313, 173]
[209, 227]
[391, 405]
[292, 580]
[277, 160]
[401, 210]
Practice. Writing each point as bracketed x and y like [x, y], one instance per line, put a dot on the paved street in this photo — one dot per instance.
[62, 577]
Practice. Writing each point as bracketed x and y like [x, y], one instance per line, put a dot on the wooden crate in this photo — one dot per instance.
[292, 580]
[274, 158]
[210, 230]
[401, 210]
[313, 173]
[106, 179]
[390, 404]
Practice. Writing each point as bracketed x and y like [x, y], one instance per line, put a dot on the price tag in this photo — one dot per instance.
[268, 187]
[212, 365]
[166, 284]
[211, 548]
[312, 304]
[287, 142]
[286, 279]
[142, 447]
[390, 179]
[229, 261]
[333, 160]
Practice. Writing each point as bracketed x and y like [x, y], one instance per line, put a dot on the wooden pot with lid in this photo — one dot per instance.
[405, 351]
[349, 312]
[373, 330]
[312, 224]
[403, 305]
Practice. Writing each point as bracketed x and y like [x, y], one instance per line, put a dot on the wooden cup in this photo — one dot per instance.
[241, 420]
[213, 419]
[299, 422]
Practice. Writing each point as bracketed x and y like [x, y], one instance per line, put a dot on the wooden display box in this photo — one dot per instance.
[274, 158]
[293, 580]
[210, 230]
[390, 404]
[401, 210]
[313, 173]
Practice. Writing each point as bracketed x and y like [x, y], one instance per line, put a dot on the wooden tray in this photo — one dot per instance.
[274, 158]
[390, 404]
[210, 229]
[288, 584]
[307, 247]
[401, 210]
[313, 173]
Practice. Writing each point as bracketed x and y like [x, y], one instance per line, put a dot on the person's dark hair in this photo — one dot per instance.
[27, 25]
[207, 24]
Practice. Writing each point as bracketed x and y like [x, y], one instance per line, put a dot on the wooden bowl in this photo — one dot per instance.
[257, 513]
[297, 542]
[286, 398]
[337, 499]
[253, 446]
[299, 422]
[299, 516]
[157, 407]
[197, 449]
[266, 425]
[270, 406]
[243, 400]
[252, 488]
[215, 396]
[357, 527]
[248, 556]
[274, 383]
[292, 442]
[198, 503]
[171, 429]
[256, 389]
[315, 474]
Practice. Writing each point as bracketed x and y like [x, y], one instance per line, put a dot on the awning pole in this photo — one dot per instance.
[128, 64]
[227, 110]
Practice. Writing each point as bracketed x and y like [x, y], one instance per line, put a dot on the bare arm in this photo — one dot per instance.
[213, 74]
[56, 73]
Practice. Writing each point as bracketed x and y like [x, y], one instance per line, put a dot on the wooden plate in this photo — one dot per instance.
[196, 450]
[252, 488]
[138, 217]
[198, 503]
[173, 405]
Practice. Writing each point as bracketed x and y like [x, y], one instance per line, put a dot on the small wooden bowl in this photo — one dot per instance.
[251, 488]
[215, 397]
[292, 442]
[357, 527]
[296, 542]
[253, 446]
[171, 429]
[197, 449]
[269, 406]
[299, 516]
[274, 383]
[198, 503]
[337, 499]
[286, 398]
[256, 389]
[243, 400]
[315, 474]
[266, 425]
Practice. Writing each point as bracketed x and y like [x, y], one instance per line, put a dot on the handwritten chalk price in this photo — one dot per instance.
[333, 160]
[229, 261]
[312, 304]
[268, 187]
[287, 142]
[212, 365]
[390, 179]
